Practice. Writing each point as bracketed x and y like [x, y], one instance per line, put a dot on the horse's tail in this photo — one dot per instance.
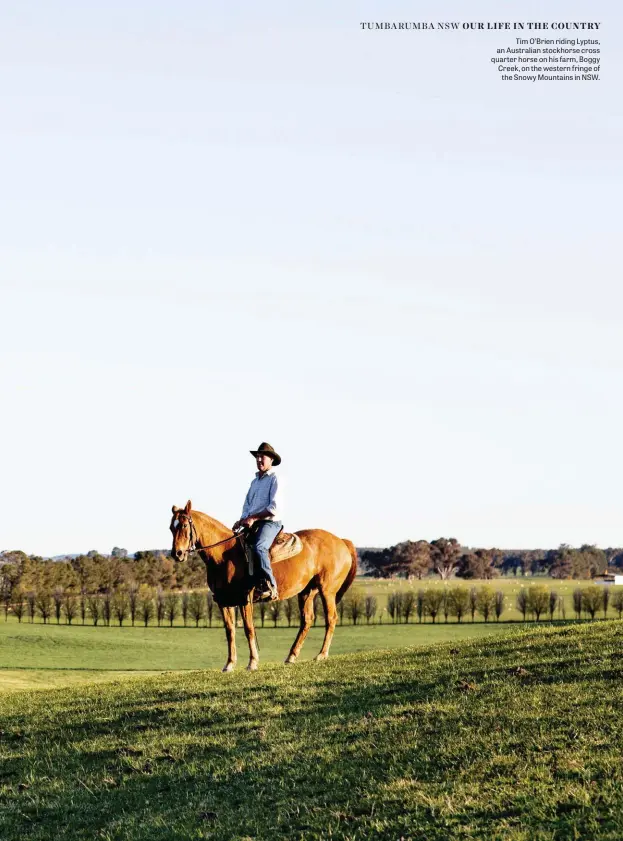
[352, 572]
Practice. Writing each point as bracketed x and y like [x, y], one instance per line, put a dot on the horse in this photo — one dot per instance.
[326, 565]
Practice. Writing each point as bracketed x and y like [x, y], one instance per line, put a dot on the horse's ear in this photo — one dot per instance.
[175, 509]
[189, 507]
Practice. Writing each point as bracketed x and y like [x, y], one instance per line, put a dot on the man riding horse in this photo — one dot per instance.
[259, 518]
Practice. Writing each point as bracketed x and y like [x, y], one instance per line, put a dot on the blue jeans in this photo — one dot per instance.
[262, 538]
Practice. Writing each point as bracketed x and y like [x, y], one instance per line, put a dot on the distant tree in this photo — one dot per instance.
[479, 564]
[262, 609]
[617, 602]
[9, 579]
[522, 603]
[133, 597]
[412, 559]
[370, 608]
[407, 606]
[419, 605]
[94, 607]
[18, 603]
[394, 602]
[605, 600]
[577, 602]
[121, 605]
[146, 606]
[31, 603]
[119, 553]
[44, 605]
[171, 607]
[209, 607]
[562, 613]
[433, 600]
[83, 605]
[288, 609]
[585, 562]
[538, 600]
[499, 604]
[458, 602]
[377, 562]
[196, 607]
[553, 602]
[276, 609]
[562, 561]
[341, 610]
[445, 607]
[57, 596]
[445, 554]
[160, 606]
[590, 561]
[107, 606]
[485, 602]
[615, 558]
[70, 606]
[473, 602]
[185, 606]
[592, 600]
[354, 606]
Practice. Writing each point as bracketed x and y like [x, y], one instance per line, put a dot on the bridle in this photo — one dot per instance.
[192, 545]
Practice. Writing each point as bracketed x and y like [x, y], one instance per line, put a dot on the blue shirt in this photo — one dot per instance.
[262, 496]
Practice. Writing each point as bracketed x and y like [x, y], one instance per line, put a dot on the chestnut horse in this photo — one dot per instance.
[326, 565]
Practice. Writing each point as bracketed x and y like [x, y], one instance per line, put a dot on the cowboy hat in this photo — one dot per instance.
[266, 449]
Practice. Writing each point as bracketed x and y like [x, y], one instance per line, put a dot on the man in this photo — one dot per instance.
[261, 510]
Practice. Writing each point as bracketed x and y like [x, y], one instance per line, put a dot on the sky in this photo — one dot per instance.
[222, 224]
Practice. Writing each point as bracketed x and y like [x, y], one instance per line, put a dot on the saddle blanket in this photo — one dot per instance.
[285, 546]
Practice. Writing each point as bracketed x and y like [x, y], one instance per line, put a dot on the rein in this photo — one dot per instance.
[212, 545]
[193, 536]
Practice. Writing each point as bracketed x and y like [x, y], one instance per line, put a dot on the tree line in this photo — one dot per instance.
[461, 603]
[95, 573]
[143, 605]
[447, 558]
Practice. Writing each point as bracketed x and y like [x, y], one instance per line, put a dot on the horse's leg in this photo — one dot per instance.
[249, 629]
[229, 620]
[330, 620]
[306, 606]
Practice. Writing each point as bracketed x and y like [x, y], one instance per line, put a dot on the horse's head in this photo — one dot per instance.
[183, 532]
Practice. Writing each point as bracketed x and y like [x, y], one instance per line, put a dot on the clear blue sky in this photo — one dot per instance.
[222, 224]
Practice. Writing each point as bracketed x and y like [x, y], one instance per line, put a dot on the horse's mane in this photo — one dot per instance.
[209, 522]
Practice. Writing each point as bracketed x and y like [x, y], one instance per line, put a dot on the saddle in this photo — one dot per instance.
[285, 546]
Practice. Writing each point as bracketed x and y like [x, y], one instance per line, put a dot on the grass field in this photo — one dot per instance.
[37, 655]
[513, 737]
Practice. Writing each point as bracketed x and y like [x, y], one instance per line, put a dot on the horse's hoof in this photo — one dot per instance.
[229, 667]
[321, 657]
[253, 666]
[291, 658]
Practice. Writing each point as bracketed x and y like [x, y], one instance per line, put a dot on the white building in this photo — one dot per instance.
[609, 578]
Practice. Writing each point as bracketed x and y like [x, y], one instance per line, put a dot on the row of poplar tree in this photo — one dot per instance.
[138, 604]
[535, 602]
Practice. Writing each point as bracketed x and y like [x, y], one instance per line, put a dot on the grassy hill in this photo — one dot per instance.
[512, 737]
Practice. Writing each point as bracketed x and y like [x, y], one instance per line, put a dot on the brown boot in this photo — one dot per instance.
[268, 593]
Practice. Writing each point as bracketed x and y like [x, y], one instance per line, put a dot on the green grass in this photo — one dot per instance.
[36, 655]
[514, 737]
[12, 680]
